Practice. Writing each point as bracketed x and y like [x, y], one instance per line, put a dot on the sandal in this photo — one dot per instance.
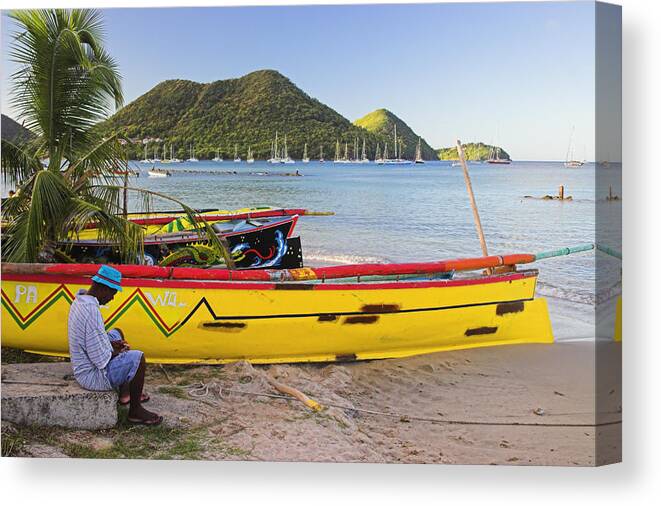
[149, 421]
[144, 398]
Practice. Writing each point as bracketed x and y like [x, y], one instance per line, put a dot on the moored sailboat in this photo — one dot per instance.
[494, 157]
[418, 152]
[569, 159]
[192, 154]
[398, 160]
[285, 157]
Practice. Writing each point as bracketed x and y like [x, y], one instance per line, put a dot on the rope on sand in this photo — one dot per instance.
[197, 390]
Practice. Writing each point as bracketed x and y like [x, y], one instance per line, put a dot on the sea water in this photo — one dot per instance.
[415, 212]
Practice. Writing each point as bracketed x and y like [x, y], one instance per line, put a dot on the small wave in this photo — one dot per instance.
[573, 295]
[344, 259]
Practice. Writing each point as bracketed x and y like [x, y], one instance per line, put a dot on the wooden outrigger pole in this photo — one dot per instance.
[476, 214]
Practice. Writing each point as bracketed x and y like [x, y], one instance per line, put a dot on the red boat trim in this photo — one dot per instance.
[243, 285]
[221, 217]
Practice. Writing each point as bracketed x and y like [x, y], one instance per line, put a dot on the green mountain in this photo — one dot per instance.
[382, 123]
[246, 112]
[13, 131]
[472, 151]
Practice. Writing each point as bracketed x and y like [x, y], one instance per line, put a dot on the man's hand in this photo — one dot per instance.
[119, 347]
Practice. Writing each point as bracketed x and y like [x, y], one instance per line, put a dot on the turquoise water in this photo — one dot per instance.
[422, 213]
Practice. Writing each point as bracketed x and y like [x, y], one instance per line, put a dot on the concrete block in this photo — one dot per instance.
[47, 394]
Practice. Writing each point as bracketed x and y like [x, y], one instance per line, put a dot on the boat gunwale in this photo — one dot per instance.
[306, 285]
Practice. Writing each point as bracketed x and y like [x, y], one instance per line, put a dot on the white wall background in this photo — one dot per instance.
[637, 481]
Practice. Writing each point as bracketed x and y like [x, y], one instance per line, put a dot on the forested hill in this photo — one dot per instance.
[246, 112]
[382, 123]
[13, 131]
[472, 151]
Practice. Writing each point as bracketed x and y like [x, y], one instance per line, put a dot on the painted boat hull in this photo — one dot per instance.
[193, 321]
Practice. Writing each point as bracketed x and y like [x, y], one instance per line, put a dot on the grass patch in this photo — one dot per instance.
[235, 451]
[16, 356]
[14, 439]
[128, 441]
[174, 391]
[12, 442]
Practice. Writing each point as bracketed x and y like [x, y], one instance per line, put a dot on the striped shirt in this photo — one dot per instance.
[89, 344]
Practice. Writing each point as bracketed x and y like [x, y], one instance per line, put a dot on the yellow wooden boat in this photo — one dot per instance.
[179, 315]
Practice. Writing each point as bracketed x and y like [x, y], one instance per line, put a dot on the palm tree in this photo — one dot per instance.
[65, 84]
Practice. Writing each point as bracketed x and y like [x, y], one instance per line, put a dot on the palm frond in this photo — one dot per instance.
[66, 82]
[127, 236]
[18, 162]
[32, 230]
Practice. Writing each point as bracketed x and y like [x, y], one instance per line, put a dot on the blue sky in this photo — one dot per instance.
[520, 74]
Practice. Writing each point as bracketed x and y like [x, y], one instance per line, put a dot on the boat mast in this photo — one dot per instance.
[396, 141]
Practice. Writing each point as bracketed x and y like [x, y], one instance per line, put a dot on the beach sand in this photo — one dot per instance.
[552, 385]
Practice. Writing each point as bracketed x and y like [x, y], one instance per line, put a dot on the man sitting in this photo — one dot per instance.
[103, 361]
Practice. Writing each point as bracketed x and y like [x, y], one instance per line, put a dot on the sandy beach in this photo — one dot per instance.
[521, 405]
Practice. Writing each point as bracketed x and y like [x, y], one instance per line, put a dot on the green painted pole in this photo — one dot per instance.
[609, 251]
[564, 251]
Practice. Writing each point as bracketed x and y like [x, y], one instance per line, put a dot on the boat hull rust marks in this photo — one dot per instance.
[380, 308]
[509, 307]
[294, 286]
[480, 331]
[327, 318]
[352, 320]
[347, 357]
[224, 326]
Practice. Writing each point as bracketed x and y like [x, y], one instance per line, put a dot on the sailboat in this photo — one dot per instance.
[377, 155]
[275, 158]
[156, 158]
[237, 158]
[250, 158]
[337, 152]
[383, 159]
[569, 159]
[285, 157]
[363, 156]
[192, 154]
[321, 154]
[398, 160]
[165, 155]
[145, 159]
[172, 158]
[306, 159]
[418, 152]
[218, 158]
[494, 157]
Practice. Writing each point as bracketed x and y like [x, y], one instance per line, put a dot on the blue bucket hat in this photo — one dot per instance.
[109, 276]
